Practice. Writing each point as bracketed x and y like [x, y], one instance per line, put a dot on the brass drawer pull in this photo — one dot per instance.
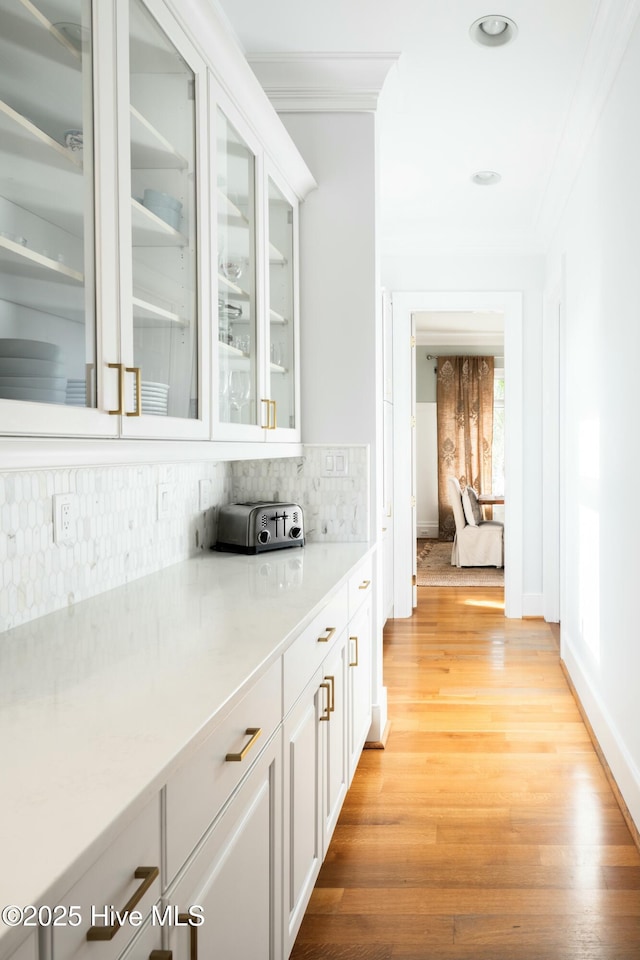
[327, 714]
[147, 875]
[254, 733]
[355, 662]
[161, 955]
[329, 633]
[364, 584]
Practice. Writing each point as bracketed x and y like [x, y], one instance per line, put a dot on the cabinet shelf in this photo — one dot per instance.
[32, 265]
[230, 214]
[150, 150]
[146, 314]
[237, 360]
[150, 230]
[231, 289]
[22, 138]
[51, 28]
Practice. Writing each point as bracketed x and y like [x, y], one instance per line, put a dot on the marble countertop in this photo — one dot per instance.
[97, 701]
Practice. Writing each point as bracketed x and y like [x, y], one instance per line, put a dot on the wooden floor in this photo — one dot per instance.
[487, 829]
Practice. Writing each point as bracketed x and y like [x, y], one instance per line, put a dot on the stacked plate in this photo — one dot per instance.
[31, 370]
[155, 398]
[76, 393]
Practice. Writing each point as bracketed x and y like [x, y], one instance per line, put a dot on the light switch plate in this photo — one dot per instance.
[164, 501]
[336, 463]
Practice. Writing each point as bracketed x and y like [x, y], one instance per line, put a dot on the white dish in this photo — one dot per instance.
[30, 367]
[38, 383]
[30, 349]
[154, 406]
[154, 383]
[37, 396]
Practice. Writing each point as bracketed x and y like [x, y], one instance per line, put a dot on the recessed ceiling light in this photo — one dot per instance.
[486, 178]
[493, 30]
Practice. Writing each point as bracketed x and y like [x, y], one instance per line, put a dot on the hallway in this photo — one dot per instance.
[486, 830]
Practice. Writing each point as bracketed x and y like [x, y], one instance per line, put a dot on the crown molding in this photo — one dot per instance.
[610, 32]
[322, 82]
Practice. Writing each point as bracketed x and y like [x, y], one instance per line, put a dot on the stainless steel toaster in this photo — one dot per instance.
[259, 526]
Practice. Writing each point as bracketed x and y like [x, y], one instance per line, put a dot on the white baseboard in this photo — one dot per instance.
[427, 529]
[532, 605]
[378, 717]
[621, 764]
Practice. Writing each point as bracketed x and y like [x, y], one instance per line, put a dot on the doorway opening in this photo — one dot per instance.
[406, 308]
[441, 335]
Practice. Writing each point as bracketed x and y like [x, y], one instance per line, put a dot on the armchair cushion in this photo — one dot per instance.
[471, 506]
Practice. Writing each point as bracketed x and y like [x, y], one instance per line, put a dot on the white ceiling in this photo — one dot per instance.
[449, 107]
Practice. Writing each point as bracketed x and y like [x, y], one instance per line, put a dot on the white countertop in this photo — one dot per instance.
[97, 701]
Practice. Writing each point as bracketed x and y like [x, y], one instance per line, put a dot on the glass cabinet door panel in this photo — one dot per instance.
[237, 366]
[281, 308]
[47, 250]
[163, 220]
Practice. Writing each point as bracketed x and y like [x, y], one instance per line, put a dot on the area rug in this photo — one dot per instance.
[435, 570]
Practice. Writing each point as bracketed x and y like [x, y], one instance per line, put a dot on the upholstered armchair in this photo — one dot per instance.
[476, 544]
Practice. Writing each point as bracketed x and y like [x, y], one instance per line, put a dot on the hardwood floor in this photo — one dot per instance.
[487, 829]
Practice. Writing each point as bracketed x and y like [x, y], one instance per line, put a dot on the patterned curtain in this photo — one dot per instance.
[465, 429]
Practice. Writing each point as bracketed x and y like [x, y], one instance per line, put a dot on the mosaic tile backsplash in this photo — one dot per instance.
[118, 537]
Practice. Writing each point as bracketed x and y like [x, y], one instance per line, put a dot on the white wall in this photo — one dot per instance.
[339, 281]
[600, 239]
[525, 275]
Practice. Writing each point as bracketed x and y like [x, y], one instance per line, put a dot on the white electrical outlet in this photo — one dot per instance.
[63, 518]
[164, 501]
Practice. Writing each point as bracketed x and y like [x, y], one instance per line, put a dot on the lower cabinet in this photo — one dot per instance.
[302, 767]
[359, 665]
[231, 888]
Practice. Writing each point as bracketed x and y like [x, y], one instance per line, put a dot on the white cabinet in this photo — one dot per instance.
[257, 385]
[303, 848]
[125, 877]
[137, 202]
[234, 880]
[360, 666]
[360, 659]
[335, 771]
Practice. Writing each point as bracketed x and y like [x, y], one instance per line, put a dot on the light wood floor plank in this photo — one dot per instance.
[487, 828]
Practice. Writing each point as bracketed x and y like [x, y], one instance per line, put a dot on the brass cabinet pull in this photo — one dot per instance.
[329, 633]
[327, 714]
[364, 584]
[254, 733]
[193, 934]
[161, 955]
[120, 368]
[147, 875]
[355, 662]
[138, 375]
[332, 681]
[273, 405]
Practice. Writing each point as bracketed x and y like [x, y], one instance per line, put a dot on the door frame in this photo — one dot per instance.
[404, 305]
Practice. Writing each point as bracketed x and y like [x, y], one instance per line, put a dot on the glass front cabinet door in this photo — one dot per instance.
[161, 380]
[48, 330]
[256, 392]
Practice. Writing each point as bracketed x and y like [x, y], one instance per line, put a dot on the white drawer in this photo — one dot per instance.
[112, 882]
[305, 654]
[360, 585]
[197, 791]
